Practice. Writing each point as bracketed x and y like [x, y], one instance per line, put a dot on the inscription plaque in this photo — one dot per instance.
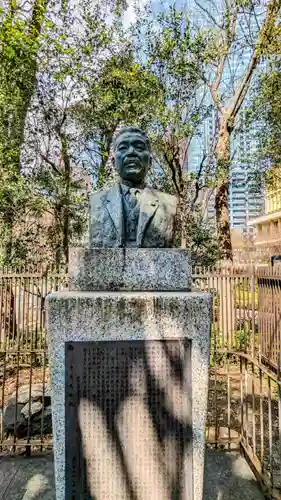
[128, 419]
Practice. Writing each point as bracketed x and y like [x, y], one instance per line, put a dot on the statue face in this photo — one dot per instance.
[132, 157]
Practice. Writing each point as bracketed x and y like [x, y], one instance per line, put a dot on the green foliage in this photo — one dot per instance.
[173, 54]
[68, 63]
[203, 242]
[125, 93]
[65, 91]
[19, 45]
[266, 112]
[240, 28]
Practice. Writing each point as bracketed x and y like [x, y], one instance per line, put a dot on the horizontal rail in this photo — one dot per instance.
[21, 351]
[217, 275]
[224, 440]
[29, 276]
[255, 465]
[252, 360]
[19, 443]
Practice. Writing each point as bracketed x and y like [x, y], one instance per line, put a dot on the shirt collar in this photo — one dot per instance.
[126, 189]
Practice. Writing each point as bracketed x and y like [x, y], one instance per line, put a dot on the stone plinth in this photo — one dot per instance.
[129, 269]
[150, 318]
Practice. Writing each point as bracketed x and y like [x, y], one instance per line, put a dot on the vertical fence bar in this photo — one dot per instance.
[27, 288]
[232, 308]
[14, 325]
[246, 403]
[41, 310]
[224, 319]
[254, 410]
[261, 420]
[8, 312]
[44, 339]
[270, 427]
[235, 313]
[32, 343]
[17, 394]
[239, 310]
[227, 298]
[6, 334]
[2, 341]
[27, 280]
[279, 405]
[218, 288]
[37, 311]
[23, 315]
[265, 353]
[228, 401]
[4, 354]
[244, 316]
[274, 321]
[242, 396]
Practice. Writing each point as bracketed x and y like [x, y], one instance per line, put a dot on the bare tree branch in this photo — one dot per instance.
[208, 13]
[270, 19]
[197, 183]
[50, 162]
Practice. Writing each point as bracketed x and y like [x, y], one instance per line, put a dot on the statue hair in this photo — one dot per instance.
[135, 130]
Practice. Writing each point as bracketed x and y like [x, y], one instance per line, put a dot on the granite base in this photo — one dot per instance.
[129, 316]
[114, 269]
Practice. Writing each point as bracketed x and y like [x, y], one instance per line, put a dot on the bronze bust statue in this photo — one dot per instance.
[131, 213]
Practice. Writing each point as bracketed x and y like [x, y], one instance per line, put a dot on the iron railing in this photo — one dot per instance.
[244, 392]
[25, 417]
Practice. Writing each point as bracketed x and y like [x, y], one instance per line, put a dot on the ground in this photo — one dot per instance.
[227, 477]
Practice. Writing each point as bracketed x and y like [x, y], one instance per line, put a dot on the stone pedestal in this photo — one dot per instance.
[129, 269]
[129, 393]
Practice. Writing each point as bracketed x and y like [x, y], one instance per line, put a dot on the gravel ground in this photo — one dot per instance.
[227, 477]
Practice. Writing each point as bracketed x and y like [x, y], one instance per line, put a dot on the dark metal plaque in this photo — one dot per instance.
[128, 419]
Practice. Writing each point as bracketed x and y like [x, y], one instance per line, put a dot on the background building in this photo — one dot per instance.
[245, 202]
[268, 226]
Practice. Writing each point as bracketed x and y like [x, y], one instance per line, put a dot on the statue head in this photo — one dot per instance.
[132, 155]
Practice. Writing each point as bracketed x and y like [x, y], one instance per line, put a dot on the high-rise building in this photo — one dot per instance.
[244, 201]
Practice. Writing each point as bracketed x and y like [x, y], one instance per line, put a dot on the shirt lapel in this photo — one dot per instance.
[148, 206]
[114, 207]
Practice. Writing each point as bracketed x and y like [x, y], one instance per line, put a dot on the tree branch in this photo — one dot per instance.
[207, 12]
[273, 9]
[50, 162]
[197, 183]
[174, 174]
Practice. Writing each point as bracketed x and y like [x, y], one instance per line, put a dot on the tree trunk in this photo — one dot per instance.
[107, 141]
[8, 320]
[182, 221]
[67, 178]
[222, 154]
[8, 221]
[27, 88]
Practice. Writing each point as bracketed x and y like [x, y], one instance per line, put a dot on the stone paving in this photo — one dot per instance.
[227, 477]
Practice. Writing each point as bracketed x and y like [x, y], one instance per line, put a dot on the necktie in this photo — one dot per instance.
[133, 197]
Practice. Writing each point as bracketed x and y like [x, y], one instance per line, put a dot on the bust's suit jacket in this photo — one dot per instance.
[156, 224]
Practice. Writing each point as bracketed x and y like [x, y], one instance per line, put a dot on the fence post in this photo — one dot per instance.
[253, 290]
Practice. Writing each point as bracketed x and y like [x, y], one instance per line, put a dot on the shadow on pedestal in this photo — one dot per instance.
[128, 420]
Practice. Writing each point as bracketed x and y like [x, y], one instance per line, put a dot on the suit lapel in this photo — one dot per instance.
[114, 207]
[148, 206]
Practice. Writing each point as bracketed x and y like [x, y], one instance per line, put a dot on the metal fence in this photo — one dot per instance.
[25, 412]
[244, 391]
[269, 284]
